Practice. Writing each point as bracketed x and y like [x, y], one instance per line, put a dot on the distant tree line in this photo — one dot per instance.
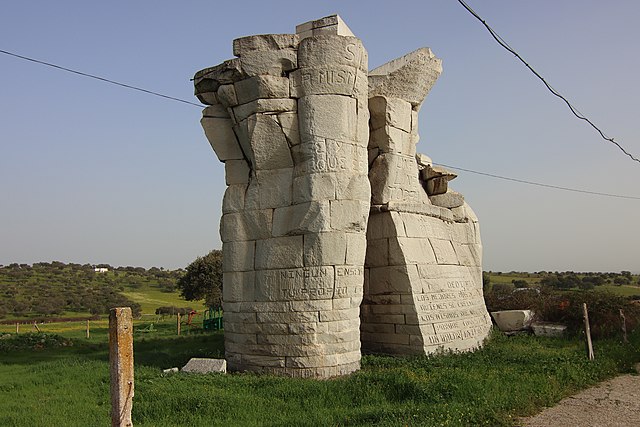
[55, 288]
[571, 280]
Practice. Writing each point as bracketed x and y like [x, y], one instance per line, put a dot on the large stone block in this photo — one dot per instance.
[444, 252]
[356, 248]
[265, 86]
[328, 248]
[284, 252]
[451, 199]
[227, 96]
[377, 254]
[385, 224]
[246, 225]
[209, 79]
[218, 128]
[238, 287]
[349, 215]
[320, 51]
[410, 250]
[303, 218]
[392, 279]
[327, 116]
[393, 112]
[409, 77]
[269, 147]
[352, 187]
[271, 106]
[424, 226]
[513, 320]
[274, 187]
[233, 200]
[316, 186]
[394, 178]
[332, 24]
[389, 139]
[238, 256]
[288, 121]
[236, 172]
[269, 62]
[262, 42]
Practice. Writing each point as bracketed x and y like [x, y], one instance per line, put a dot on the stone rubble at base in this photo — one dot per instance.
[336, 234]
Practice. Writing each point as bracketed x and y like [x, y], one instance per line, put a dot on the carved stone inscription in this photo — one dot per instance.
[309, 283]
[454, 307]
[327, 155]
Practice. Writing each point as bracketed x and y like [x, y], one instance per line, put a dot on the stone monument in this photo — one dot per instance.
[310, 191]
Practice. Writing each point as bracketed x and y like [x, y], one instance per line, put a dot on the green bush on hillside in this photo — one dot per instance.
[566, 307]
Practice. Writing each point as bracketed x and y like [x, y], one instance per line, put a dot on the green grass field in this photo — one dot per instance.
[624, 290]
[151, 298]
[509, 378]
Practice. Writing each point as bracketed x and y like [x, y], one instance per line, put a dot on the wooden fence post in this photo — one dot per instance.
[624, 327]
[587, 331]
[178, 322]
[121, 365]
[87, 328]
[17, 328]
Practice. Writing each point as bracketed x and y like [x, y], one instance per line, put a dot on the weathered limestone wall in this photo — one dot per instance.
[289, 119]
[423, 287]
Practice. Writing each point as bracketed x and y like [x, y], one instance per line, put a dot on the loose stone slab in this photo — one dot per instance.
[512, 320]
[545, 329]
[205, 366]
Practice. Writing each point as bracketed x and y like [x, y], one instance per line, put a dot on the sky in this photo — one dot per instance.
[95, 173]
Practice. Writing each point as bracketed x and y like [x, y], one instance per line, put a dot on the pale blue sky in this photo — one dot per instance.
[90, 172]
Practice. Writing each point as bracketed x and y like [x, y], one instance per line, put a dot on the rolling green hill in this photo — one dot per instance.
[72, 290]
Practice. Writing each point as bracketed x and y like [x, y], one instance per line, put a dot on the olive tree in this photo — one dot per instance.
[203, 279]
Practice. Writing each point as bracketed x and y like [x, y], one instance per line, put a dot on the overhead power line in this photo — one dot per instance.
[113, 82]
[555, 187]
[573, 109]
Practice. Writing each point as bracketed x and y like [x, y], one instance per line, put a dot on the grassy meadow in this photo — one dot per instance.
[151, 298]
[68, 385]
[59, 377]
